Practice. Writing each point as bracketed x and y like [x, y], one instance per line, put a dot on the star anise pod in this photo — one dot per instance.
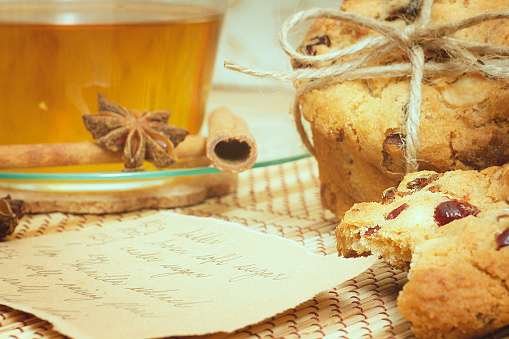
[141, 135]
[11, 211]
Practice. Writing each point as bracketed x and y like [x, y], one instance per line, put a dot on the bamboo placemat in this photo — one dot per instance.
[281, 200]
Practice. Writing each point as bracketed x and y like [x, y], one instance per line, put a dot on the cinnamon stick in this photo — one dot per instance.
[230, 146]
[79, 153]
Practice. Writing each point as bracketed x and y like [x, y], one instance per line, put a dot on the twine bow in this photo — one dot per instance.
[419, 41]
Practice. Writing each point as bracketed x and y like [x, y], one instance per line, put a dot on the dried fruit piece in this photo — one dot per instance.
[372, 231]
[395, 212]
[319, 40]
[421, 182]
[435, 189]
[408, 13]
[450, 210]
[390, 195]
[502, 239]
[393, 151]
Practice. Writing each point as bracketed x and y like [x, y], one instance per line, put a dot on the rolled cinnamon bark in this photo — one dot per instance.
[79, 153]
[61, 154]
[230, 146]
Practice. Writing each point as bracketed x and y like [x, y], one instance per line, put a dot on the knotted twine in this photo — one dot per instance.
[419, 41]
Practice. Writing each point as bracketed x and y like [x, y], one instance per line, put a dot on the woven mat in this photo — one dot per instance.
[282, 200]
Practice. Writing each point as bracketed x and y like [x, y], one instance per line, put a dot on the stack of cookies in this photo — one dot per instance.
[451, 231]
[448, 224]
[357, 125]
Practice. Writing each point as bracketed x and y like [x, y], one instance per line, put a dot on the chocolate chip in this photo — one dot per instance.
[450, 210]
[502, 239]
[397, 211]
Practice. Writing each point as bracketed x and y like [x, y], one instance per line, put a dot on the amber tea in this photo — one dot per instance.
[57, 57]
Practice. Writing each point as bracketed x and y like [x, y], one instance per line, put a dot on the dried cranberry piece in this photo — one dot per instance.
[502, 239]
[409, 13]
[389, 195]
[420, 183]
[394, 139]
[372, 231]
[296, 64]
[393, 152]
[320, 40]
[397, 211]
[435, 189]
[450, 210]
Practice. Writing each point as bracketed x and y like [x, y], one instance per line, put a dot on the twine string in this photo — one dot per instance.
[423, 43]
[411, 128]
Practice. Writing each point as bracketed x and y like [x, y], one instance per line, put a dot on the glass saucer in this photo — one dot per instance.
[274, 131]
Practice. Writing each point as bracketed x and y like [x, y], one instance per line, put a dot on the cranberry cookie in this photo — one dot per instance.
[423, 203]
[459, 279]
[451, 231]
[357, 125]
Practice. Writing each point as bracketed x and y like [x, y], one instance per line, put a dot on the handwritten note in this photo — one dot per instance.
[161, 275]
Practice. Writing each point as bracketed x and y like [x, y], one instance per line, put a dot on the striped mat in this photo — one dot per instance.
[282, 200]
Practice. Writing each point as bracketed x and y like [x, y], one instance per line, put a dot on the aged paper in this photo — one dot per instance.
[162, 275]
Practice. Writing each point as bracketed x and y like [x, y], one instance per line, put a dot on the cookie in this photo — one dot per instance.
[459, 279]
[357, 125]
[451, 231]
[423, 203]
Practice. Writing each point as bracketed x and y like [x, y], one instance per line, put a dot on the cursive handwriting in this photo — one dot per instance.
[136, 308]
[218, 260]
[14, 298]
[41, 271]
[166, 296]
[64, 314]
[7, 253]
[83, 265]
[252, 270]
[170, 246]
[179, 270]
[149, 257]
[200, 237]
[142, 230]
[46, 251]
[127, 233]
[85, 294]
[24, 288]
